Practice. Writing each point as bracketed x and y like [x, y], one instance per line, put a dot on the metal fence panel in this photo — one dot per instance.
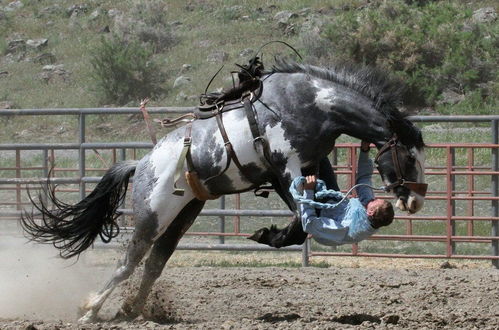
[460, 219]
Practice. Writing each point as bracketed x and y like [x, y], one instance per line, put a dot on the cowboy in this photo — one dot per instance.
[351, 220]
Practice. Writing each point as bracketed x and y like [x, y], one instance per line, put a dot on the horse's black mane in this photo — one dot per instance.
[371, 82]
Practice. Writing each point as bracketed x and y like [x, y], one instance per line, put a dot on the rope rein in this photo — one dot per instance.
[321, 192]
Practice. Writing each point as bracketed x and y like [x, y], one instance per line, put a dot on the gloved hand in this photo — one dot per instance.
[310, 183]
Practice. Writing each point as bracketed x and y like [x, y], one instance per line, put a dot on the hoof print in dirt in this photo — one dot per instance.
[273, 318]
[391, 319]
[447, 265]
[356, 319]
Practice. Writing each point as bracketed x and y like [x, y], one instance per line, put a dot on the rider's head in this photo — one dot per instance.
[380, 212]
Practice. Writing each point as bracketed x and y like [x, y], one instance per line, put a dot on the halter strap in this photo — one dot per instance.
[417, 187]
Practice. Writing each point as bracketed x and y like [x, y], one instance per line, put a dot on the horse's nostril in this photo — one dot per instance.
[412, 204]
[403, 198]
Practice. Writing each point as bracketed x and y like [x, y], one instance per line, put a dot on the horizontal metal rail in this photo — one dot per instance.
[217, 247]
[182, 110]
[284, 214]
[93, 111]
[396, 255]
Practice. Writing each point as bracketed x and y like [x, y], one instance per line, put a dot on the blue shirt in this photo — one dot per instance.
[331, 227]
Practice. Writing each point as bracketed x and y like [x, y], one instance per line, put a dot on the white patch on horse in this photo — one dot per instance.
[239, 133]
[218, 143]
[415, 201]
[279, 143]
[162, 200]
[277, 140]
[293, 167]
[324, 99]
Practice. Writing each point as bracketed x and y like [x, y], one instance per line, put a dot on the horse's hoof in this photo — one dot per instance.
[89, 317]
[123, 316]
[261, 236]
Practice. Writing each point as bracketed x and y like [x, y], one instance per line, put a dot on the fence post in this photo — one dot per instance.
[495, 192]
[123, 204]
[81, 156]
[222, 220]
[18, 175]
[45, 174]
[449, 221]
[305, 260]
[453, 202]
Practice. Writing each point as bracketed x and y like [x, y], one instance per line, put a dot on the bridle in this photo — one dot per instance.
[391, 145]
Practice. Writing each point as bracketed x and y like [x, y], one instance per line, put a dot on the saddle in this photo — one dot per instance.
[242, 95]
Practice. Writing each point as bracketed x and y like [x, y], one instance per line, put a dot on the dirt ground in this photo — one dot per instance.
[298, 298]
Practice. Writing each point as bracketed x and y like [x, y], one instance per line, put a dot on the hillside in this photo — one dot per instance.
[445, 51]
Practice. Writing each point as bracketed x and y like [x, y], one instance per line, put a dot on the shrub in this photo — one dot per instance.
[433, 46]
[125, 71]
[147, 22]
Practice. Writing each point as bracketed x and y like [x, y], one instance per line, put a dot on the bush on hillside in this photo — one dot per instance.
[433, 47]
[147, 22]
[125, 71]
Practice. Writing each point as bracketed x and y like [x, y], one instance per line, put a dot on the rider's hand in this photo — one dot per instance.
[310, 183]
[365, 146]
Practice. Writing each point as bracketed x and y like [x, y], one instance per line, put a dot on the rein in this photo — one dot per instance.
[391, 145]
[322, 192]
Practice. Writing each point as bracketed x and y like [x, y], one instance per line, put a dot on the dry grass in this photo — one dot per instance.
[287, 259]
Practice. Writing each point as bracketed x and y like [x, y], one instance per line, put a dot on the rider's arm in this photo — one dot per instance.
[364, 174]
[324, 230]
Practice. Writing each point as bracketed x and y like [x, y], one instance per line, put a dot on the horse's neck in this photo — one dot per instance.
[354, 115]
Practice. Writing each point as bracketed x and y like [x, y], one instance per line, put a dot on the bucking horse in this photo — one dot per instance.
[275, 126]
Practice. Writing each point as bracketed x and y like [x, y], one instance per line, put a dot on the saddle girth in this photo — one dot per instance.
[242, 95]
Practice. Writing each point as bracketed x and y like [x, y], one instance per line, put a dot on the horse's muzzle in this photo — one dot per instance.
[416, 187]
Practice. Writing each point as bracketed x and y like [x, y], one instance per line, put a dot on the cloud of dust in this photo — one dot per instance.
[37, 284]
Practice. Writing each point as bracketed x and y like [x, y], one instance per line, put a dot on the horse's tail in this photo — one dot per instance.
[73, 228]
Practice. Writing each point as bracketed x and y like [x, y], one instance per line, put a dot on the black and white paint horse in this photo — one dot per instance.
[301, 111]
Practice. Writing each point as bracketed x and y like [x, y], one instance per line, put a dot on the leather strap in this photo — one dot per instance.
[166, 122]
[147, 119]
[217, 112]
[179, 169]
[251, 116]
[258, 138]
[417, 187]
[231, 155]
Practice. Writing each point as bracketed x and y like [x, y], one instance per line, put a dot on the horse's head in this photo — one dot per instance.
[401, 166]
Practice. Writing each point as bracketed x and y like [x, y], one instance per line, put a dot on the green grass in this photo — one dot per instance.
[221, 24]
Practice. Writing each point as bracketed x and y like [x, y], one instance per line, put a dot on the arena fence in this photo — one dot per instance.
[461, 204]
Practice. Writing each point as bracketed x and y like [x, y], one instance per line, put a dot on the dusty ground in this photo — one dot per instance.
[40, 291]
[296, 298]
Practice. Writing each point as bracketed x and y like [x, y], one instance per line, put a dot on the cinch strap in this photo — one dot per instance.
[181, 160]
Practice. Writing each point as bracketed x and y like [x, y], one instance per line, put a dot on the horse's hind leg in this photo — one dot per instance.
[160, 253]
[139, 245]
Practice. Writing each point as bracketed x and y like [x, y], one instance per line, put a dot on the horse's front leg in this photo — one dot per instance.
[293, 233]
